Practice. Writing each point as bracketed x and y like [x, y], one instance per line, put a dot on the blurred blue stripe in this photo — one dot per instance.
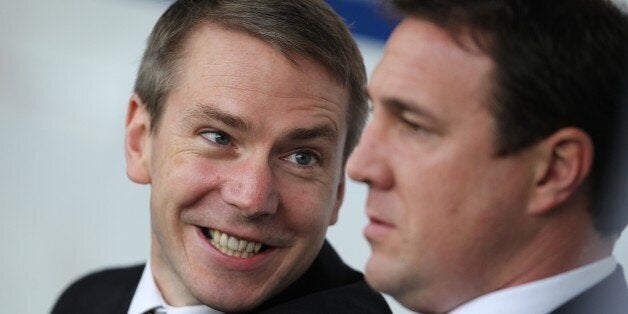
[364, 17]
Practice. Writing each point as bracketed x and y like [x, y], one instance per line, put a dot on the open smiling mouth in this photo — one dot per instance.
[232, 246]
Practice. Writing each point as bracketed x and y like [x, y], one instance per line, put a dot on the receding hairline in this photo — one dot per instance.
[291, 55]
[295, 58]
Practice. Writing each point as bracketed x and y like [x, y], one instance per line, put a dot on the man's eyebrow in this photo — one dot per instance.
[209, 112]
[321, 131]
[397, 105]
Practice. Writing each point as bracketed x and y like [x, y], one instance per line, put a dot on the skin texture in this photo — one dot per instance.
[250, 143]
[449, 219]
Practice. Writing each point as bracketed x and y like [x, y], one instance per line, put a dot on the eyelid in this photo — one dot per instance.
[411, 121]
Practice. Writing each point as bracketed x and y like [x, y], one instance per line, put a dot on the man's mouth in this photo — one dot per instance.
[232, 246]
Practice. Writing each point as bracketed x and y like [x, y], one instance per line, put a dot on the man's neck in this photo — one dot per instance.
[557, 247]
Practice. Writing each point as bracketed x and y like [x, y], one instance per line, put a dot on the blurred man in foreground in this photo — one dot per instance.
[493, 126]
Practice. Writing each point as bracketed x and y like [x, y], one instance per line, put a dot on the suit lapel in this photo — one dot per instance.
[610, 296]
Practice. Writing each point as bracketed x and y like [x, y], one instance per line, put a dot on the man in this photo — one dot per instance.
[492, 125]
[243, 115]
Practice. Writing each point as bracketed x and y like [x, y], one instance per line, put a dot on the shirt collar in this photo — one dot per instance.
[148, 297]
[541, 296]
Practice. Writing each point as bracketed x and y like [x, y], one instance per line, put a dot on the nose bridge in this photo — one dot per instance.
[250, 186]
[366, 151]
[369, 163]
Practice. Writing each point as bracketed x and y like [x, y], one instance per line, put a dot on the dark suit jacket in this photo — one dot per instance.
[610, 296]
[328, 286]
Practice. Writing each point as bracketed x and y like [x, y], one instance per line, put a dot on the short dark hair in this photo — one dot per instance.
[558, 63]
[295, 28]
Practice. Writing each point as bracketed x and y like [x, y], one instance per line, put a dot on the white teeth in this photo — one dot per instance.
[224, 238]
[215, 236]
[232, 246]
[250, 247]
[233, 243]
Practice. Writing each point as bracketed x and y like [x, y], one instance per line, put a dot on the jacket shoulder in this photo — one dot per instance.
[356, 297]
[328, 286]
[105, 291]
[610, 296]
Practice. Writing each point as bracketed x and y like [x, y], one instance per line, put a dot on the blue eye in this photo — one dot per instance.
[217, 137]
[303, 158]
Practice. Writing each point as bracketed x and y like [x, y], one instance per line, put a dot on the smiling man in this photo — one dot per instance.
[491, 136]
[243, 115]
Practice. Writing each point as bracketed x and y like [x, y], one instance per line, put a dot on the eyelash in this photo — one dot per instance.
[411, 126]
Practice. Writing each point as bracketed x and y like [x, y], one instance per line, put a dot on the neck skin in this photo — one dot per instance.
[558, 241]
[547, 245]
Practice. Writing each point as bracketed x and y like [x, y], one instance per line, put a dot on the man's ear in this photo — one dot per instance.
[136, 148]
[564, 163]
[340, 194]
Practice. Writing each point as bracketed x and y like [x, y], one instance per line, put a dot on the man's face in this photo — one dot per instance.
[245, 168]
[444, 210]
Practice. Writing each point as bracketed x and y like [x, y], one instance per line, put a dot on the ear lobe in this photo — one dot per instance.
[136, 141]
[566, 159]
[340, 194]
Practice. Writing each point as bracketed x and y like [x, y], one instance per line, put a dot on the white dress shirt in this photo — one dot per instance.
[541, 296]
[148, 297]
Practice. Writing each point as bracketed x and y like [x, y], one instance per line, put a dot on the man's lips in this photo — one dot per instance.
[231, 245]
[374, 219]
[377, 228]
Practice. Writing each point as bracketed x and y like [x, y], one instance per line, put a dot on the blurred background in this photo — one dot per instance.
[67, 69]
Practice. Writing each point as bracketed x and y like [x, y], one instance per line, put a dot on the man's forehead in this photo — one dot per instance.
[236, 55]
[221, 43]
[416, 32]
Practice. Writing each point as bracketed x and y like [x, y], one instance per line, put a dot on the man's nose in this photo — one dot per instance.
[368, 161]
[251, 188]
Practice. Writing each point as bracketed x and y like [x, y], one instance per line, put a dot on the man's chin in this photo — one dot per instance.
[373, 269]
[379, 274]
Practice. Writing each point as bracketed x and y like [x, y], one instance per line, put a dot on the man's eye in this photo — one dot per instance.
[413, 126]
[303, 158]
[217, 137]
[410, 123]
